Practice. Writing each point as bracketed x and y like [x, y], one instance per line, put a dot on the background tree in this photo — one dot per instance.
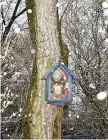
[86, 34]
[84, 23]
[16, 66]
[9, 15]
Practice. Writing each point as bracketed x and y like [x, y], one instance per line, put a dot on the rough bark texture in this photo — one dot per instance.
[43, 121]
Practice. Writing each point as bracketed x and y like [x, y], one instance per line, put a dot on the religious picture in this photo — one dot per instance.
[59, 85]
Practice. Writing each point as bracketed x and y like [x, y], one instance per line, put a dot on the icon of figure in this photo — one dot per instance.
[59, 86]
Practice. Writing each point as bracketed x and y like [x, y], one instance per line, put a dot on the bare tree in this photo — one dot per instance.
[14, 16]
[88, 47]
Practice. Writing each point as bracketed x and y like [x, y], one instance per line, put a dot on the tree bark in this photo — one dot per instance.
[43, 121]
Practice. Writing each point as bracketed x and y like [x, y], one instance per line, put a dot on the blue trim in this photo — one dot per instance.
[47, 90]
[62, 65]
[47, 77]
[58, 103]
[51, 71]
[49, 84]
[61, 100]
[66, 69]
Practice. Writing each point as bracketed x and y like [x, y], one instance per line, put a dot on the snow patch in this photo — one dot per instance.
[69, 115]
[17, 30]
[33, 51]
[5, 73]
[3, 3]
[106, 40]
[58, 5]
[77, 116]
[105, 4]
[106, 22]
[92, 86]
[106, 12]
[101, 30]
[102, 95]
[29, 11]
[17, 73]
[83, 31]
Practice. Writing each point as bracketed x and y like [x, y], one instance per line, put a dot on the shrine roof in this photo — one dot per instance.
[59, 64]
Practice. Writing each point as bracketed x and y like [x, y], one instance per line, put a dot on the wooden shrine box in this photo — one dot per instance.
[58, 85]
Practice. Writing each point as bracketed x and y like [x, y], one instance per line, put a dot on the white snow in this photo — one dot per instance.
[20, 110]
[106, 22]
[17, 73]
[29, 11]
[58, 5]
[13, 114]
[19, 115]
[83, 31]
[102, 95]
[1, 76]
[5, 73]
[33, 51]
[8, 102]
[11, 94]
[91, 85]
[106, 12]
[29, 114]
[14, 78]
[6, 88]
[69, 53]
[101, 30]
[1, 20]
[3, 3]
[106, 40]
[69, 115]
[105, 47]
[105, 4]
[39, 95]
[72, 128]
[0, 56]
[62, 63]
[44, 123]
[17, 95]
[17, 30]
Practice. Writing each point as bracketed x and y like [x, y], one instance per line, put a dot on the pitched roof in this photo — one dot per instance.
[61, 64]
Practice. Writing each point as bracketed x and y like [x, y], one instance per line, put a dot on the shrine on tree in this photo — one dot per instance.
[58, 89]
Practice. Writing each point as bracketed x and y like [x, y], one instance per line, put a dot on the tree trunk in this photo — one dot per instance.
[42, 121]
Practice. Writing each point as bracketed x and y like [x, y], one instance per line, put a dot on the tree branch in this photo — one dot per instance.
[16, 8]
[20, 13]
[64, 12]
[14, 16]
[4, 22]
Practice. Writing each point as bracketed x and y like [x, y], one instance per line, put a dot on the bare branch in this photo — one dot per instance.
[14, 16]
[20, 13]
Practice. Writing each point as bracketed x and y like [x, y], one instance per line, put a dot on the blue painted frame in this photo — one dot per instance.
[47, 77]
[55, 67]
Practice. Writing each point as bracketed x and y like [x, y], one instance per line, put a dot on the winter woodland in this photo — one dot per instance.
[32, 36]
